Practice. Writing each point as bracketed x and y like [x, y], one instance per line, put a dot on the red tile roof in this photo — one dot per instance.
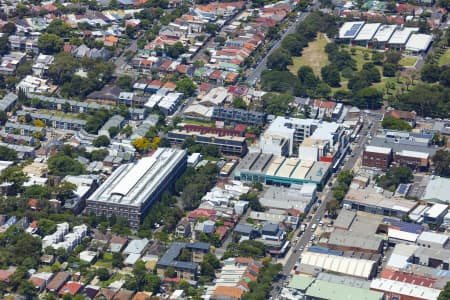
[5, 274]
[71, 288]
[407, 277]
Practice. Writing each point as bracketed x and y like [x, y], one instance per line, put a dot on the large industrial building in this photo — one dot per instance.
[131, 190]
[279, 170]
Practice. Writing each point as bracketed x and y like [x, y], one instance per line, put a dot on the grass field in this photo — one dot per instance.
[314, 56]
[445, 58]
[408, 61]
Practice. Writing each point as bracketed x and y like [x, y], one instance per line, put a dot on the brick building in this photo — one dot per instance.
[377, 157]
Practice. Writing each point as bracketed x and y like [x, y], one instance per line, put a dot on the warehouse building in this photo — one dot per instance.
[402, 290]
[382, 36]
[131, 190]
[361, 268]
[400, 37]
[279, 170]
[343, 240]
[366, 34]
[371, 201]
[418, 44]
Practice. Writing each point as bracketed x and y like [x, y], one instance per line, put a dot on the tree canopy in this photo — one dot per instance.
[395, 124]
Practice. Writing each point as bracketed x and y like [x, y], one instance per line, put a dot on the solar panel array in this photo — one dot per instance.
[402, 189]
[352, 31]
[404, 226]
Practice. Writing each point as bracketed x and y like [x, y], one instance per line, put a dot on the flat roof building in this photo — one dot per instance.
[344, 240]
[382, 36]
[393, 289]
[419, 43]
[325, 290]
[350, 30]
[366, 34]
[432, 240]
[361, 268]
[400, 37]
[132, 188]
[369, 200]
[377, 157]
[437, 190]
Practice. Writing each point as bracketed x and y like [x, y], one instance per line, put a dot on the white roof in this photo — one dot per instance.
[136, 246]
[134, 183]
[436, 210]
[133, 176]
[416, 154]
[400, 256]
[404, 288]
[419, 42]
[432, 237]
[402, 235]
[350, 30]
[401, 35]
[367, 32]
[384, 33]
[376, 149]
[437, 190]
[345, 265]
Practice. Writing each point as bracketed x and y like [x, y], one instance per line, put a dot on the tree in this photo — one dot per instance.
[62, 68]
[16, 177]
[185, 255]
[50, 43]
[170, 272]
[389, 70]
[117, 260]
[253, 201]
[441, 161]
[101, 141]
[99, 155]
[369, 98]
[141, 144]
[102, 274]
[393, 57]
[279, 59]
[39, 123]
[277, 104]
[331, 75]
[63, 165]
[307, 77]
[445, 294]
[395, 124]
[46, 226]
[59, 27]
[393, 177]
[372, 73]
[238, 102]
[9, 28]
[430, 73]
[186, 86]
[444, 78]
[113, 131]
[7, 154]
[294, 44]
[125, 82]
[332, 207]
[377, 57]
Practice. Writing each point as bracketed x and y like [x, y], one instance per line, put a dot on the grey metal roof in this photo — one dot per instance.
[7, 101]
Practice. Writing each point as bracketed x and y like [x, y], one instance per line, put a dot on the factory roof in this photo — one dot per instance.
[404, 288]
[436, 210]
[351, 239]
[326, 290]
[344, 265]
[384, 33]
[374, 199]
[437, 190]
[401, 35]
[345, 219]
[419, 42]
[350, 30]
[132, 184]
[432, 237]
[367, 32]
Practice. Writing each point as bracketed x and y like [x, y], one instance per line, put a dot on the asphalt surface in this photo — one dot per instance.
[327, 195]
[255, 74]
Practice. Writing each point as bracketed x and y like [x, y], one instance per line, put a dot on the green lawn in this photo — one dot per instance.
[445, 58]
[408, 61]
[314, 56]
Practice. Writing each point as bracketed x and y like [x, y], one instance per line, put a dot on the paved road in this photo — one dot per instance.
[255, 74]
[121, 61]
[327, 196]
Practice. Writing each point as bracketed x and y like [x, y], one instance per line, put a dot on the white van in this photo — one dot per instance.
[313, 228]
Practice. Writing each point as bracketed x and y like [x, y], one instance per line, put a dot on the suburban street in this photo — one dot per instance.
[327, 195]
[255, 73]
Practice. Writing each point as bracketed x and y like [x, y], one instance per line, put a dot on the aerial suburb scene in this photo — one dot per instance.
[224, 150]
